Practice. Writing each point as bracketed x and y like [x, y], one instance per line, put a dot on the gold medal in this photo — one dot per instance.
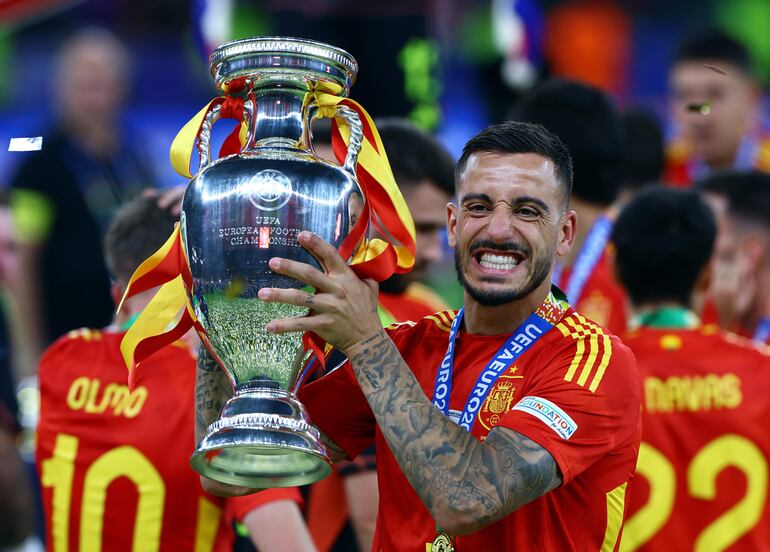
[442, 543]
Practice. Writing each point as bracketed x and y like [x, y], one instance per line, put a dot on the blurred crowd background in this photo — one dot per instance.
[108, 84]
[450, 66]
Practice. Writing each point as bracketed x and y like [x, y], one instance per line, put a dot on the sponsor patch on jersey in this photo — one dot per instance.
[550, 414]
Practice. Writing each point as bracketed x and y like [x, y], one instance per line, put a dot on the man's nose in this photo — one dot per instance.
[500, 226]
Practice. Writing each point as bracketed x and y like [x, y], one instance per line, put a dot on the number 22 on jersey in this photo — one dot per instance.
[702, 472]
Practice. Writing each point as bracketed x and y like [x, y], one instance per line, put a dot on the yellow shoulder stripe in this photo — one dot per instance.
[442, 319]
[593, 345]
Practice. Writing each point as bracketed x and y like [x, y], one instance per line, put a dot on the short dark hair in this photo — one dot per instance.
[138, 230]
[518, 137]
[712, 44]
[663, 240]
[585, 119]
[415, 155]
[642, 157]
[747, 194]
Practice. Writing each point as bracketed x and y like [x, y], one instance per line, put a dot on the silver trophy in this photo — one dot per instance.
[238, 212]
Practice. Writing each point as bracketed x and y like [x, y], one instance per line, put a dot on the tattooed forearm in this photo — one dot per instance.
[212, 389]
[465, 484]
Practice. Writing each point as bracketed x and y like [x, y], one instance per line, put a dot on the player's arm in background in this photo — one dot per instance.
[363, 496]
[278, 526]
[16, 505]
[32, 216]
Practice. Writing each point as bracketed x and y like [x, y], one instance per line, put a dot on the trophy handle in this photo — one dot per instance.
[356, 137]
[204, 136]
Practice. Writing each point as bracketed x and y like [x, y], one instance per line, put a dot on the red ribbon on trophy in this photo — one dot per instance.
[169, 314]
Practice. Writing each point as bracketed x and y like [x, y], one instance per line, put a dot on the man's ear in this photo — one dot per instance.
[116, 292]
[754, 251]
[451, 224]
[567, 233]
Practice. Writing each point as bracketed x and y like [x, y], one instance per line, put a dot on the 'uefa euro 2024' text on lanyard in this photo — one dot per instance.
[521, 340]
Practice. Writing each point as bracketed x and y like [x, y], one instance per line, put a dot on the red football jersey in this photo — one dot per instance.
[575, 369]
[603, 299]
[114, 465]
[681, 167]
[702, 479]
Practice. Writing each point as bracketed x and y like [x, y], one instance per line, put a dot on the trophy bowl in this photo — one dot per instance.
[238, 212]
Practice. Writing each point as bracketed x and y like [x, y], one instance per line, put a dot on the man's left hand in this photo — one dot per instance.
[343, 311]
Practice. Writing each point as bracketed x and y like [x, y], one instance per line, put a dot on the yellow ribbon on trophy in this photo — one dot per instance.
[376, 258]
[160, 322]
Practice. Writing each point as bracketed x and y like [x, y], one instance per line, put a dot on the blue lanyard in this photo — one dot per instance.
[520, 341]
[762, 333]
[588, 256]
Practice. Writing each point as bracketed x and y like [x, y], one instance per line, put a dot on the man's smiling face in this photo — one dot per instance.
[509, 225]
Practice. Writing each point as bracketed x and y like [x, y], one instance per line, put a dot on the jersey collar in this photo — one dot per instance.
[666, 317]
[124, 327]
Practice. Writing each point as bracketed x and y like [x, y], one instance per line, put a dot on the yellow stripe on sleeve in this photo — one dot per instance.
[616, 500]
[593, 350]
[578, 353]
[207, 526]
[603, 364]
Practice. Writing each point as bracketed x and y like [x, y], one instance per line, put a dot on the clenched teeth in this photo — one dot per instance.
[498, 262]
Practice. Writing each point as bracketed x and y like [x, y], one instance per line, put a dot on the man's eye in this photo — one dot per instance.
[528, 212]
[477, 208]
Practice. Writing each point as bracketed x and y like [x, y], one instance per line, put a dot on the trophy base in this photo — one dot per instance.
[262, 440]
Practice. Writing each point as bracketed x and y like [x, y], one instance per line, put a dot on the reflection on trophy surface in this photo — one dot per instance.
[239, 212]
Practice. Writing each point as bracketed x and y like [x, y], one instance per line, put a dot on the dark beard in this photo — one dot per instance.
[541, 268]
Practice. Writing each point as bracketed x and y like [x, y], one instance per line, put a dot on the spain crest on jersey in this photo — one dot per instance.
[500, 399]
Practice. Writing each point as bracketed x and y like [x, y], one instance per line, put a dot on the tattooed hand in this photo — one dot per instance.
[212, 389]
[344, 309]
[465, 484]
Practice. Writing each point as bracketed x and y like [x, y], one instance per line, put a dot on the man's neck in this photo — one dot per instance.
[587, 213]
[98, 140]
[131, 308]
[503, 319]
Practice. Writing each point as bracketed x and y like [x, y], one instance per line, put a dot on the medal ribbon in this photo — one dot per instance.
[520, 341]
[587, 258]
[762, 333]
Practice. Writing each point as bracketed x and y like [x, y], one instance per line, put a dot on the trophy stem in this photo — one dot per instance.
[280, 119]
[262, 439]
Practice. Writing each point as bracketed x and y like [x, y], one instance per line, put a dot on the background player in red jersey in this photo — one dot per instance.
[740, 286]
[114, 464]
[539, 456]
[702, 479]
[716, 104]
[585, 119]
